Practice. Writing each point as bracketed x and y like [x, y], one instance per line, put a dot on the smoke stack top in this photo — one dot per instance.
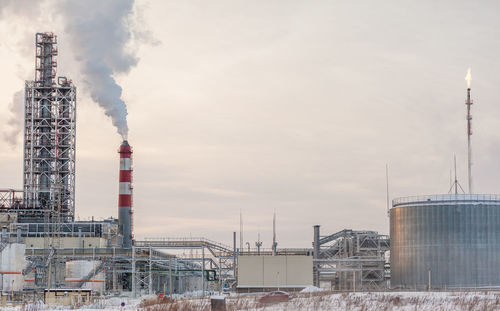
[125, 150]
[468, 78]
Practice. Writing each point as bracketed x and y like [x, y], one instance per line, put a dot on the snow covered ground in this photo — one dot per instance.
[315, 300]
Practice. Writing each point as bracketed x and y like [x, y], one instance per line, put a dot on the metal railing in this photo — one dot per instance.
[187, 241]
[446, 198]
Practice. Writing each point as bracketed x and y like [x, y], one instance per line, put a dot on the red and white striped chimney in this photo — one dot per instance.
[125, 194]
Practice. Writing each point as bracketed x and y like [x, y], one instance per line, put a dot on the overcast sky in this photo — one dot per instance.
[293, 106]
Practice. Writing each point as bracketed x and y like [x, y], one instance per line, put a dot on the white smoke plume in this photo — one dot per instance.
[16, 108]
[100, 33]
[28, 10]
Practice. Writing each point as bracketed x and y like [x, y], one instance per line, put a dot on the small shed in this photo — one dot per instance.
[66, 296]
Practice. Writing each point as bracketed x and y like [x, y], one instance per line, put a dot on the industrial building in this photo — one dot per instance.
[43, 248]
[44, 251]
[446, 241]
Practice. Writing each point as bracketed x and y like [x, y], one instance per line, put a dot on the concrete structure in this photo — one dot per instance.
[257, 273]
[445, 241]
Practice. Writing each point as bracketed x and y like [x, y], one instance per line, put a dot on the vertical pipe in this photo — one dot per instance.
[79, 237]
[429, 279]
[316, 242]
[316, 249]
[133, 273]
[4, 234]
[18, 235]
[177, 273]
[150, 271]
[115, 276]
[220, 277]
[234, 256]
[170, 276]
[203, 271]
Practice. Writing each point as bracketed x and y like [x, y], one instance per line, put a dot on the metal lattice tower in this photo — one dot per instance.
[49, 137]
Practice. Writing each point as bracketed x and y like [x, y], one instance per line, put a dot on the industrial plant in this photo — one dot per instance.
[436, 241]
[446, 241]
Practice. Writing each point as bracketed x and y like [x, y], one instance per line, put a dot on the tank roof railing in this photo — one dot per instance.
[446, 198]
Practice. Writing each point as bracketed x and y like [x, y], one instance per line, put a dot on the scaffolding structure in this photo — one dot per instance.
[49, 138]
[350, 260]
[10, 199]
[213, 266]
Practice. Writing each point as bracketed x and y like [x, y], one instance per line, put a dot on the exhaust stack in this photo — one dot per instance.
[125, 194]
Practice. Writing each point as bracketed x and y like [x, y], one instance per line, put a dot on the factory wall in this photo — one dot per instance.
[275, 271]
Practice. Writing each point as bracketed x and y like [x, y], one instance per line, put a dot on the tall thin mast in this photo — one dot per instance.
[241, 231]
[468, 78]
[387, 187]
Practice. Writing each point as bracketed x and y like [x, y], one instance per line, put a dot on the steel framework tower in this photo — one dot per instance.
[49, 137]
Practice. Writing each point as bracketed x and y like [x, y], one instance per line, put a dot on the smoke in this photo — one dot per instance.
[16, 107]
[27, 8]
[100, 33]
[28, 11]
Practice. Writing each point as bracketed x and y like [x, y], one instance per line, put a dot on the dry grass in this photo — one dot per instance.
[168, 304]
[339, 301]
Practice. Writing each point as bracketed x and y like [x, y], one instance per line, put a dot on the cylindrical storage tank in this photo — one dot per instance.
[12, 265]
[77, 270]
[447, 241]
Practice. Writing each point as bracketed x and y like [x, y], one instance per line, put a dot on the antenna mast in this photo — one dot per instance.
[387, 187]
[455, 184]
[241, 231]
[468, 78]
[275, 244]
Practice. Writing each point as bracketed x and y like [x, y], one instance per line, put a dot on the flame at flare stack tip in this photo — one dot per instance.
[468, 77]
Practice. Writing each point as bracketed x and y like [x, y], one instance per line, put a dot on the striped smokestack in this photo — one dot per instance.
[125, 194]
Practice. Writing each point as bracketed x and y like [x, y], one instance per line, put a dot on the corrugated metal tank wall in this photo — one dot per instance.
[456, 238]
